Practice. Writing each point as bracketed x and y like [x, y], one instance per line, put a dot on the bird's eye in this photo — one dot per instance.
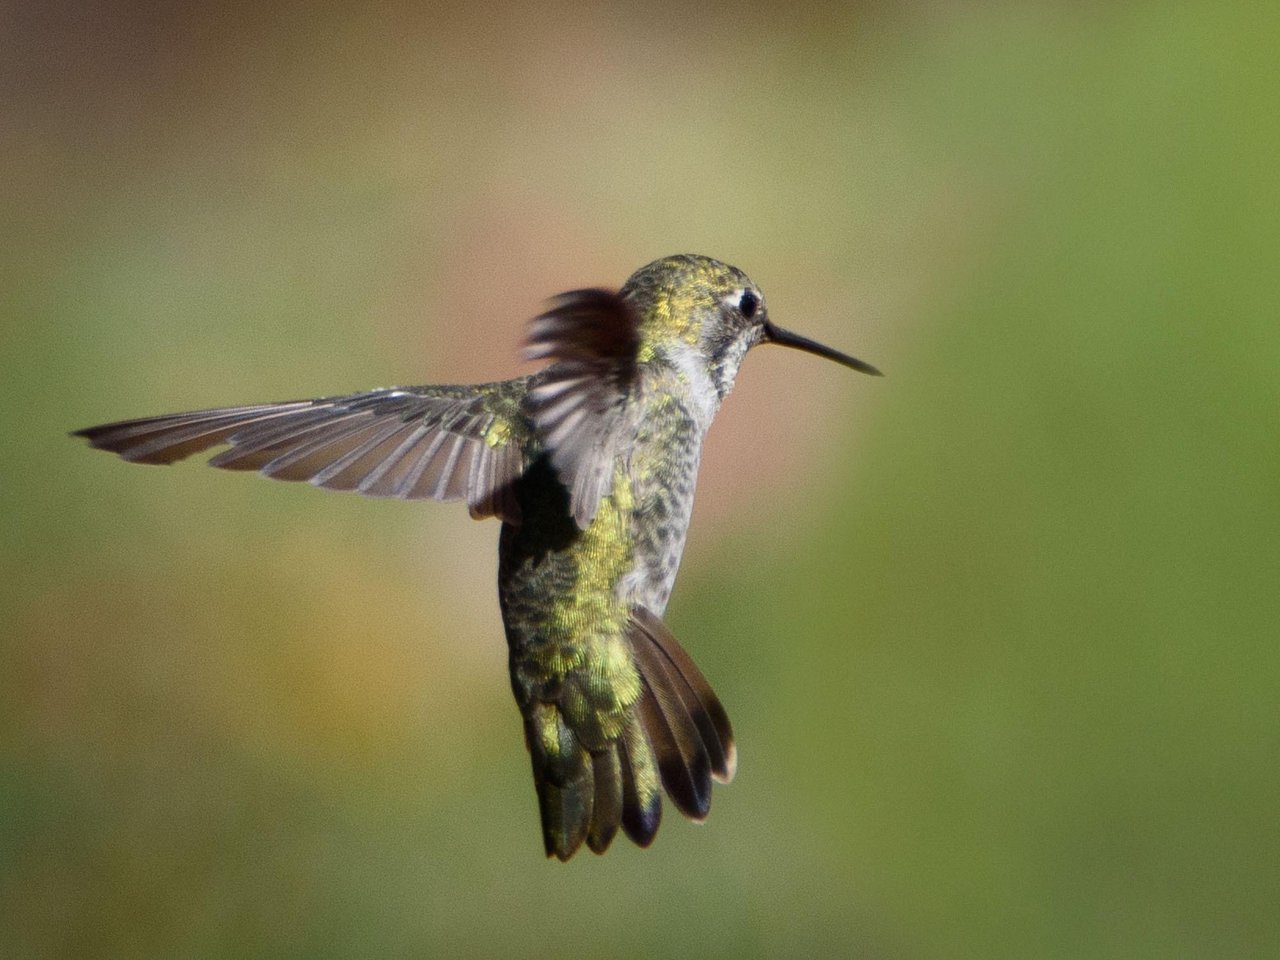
[748, 305]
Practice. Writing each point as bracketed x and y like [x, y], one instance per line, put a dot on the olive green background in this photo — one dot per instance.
[997, 633]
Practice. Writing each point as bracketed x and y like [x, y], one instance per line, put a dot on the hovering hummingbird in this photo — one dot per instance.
[590, 464]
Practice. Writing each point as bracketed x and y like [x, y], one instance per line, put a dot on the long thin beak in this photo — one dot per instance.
[786, 338]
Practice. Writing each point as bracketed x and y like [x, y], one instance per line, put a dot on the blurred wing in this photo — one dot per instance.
[577, 404]
[412, 443]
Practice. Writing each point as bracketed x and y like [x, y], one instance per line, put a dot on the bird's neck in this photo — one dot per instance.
[680, 373]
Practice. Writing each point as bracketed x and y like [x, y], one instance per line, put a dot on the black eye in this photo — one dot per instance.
[748, 305]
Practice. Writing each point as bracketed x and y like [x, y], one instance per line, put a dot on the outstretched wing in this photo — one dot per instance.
[412, 443]
[577, 404]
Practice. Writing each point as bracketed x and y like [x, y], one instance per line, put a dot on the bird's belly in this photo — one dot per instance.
[662, 498]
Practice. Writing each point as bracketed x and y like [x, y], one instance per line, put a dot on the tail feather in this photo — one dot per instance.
[641, 796]
[562, 771]
[682, 758]
[676, 738]
[685, 692]
[606, 813]
[566, 811]
[587, 795]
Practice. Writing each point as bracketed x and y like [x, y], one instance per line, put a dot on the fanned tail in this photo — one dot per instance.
[677, 738]
[588, 795]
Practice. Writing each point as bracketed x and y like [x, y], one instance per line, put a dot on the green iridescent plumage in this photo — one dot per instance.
[591, 465]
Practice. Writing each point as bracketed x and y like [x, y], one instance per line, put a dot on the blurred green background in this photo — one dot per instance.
[997, 633]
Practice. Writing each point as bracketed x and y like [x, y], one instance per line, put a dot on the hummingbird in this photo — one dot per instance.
[590, 465]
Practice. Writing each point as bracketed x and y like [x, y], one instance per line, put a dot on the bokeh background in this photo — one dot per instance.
[997, 633]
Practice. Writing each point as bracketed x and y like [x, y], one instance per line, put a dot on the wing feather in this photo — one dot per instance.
[578, 404]
[412, 443]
